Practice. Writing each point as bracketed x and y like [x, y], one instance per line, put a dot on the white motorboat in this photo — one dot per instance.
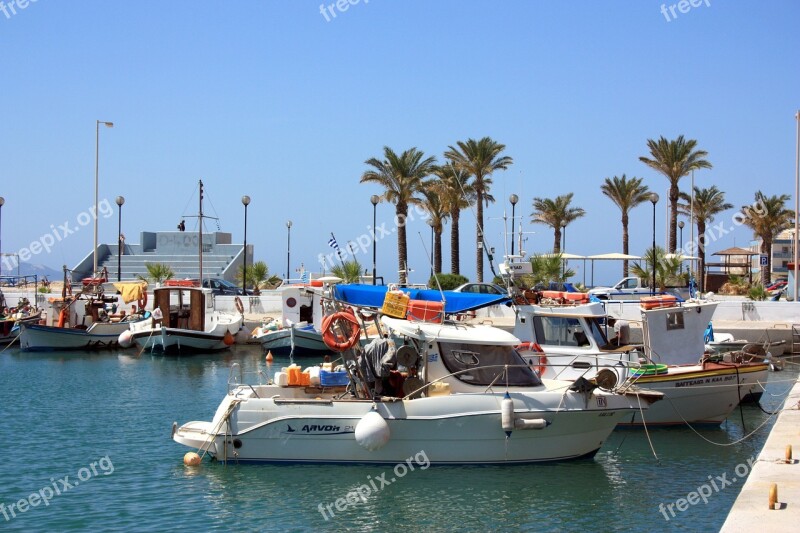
[189, 323]
[298, 332]
[573, 341]
[461, 394]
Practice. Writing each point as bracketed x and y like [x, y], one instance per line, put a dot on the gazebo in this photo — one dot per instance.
[717, 279]
[615, 256]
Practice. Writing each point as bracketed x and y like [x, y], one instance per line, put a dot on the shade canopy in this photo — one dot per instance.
[564, 255]
[613, 256]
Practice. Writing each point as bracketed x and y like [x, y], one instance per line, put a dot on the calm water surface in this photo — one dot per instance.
[104, 421]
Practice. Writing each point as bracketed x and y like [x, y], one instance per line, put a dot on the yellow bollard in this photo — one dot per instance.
[789, 454]
[773, 496]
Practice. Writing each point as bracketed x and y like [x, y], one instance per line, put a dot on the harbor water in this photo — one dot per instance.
[87, 446]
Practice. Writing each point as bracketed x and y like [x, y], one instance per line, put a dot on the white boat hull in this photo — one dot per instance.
[179, 341]
[451, 429]
[101, 335]
[306, 342]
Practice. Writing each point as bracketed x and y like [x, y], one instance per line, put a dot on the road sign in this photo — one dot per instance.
[763, 260]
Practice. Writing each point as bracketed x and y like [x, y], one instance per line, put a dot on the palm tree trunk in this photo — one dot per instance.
[402, 252]
[766, 272]
[557, 240]
[437, 250]
[700, 276]
[673, 216]
[625, 244]
[454, 259]
[479, 230]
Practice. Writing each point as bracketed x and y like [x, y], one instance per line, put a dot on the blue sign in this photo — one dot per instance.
[764, 260]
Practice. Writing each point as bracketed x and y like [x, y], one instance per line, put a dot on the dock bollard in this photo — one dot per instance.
[789, 454]
[773, 496]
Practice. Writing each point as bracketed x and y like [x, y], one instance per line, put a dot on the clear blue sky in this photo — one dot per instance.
[271, 100]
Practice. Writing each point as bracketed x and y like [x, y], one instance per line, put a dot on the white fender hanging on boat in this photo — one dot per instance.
[507, 414]
[125, 339]
[372, 431]
[530, 423]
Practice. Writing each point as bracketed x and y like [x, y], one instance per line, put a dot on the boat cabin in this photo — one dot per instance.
[183, 307]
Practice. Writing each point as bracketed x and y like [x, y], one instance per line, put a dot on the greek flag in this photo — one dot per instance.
[333, 244]
[305, 277]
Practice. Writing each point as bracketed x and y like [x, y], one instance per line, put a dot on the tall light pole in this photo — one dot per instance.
[2, 202]
[563, 249]
[96, 181]
[654, 199]
[680, 227]
[374, 199]
[288, 245]
[120, 201]
[245, 203]
[513, 199]
[796, 200]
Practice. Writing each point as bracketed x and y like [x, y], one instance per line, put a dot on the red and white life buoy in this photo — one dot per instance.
[335, 340]
[534, 347]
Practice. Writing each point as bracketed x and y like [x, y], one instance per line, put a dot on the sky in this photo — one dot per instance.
[284, 102]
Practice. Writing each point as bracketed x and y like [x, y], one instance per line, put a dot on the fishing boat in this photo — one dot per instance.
[459, 393]
[82, 322]
[184, 321]
[23, 312]
[572, 341]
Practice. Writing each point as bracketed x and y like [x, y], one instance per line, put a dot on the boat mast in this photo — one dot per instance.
[201, 233]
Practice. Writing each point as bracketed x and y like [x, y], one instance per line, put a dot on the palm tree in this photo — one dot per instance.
[401, 176]
[767, 217]
[157, 272]
[479, 159]
[257, 275]
[432, 203]
[349, 271]
[456, 193]
[557, 214]
[626, 194]
[707, 203]
[547, 268]
[674, 159]
[667, 269]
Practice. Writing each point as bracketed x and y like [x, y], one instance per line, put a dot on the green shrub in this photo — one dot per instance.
[447, 281]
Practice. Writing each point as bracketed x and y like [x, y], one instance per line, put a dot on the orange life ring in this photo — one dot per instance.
[142, 301]
[534, 347]
[336, 341]
[239, 306]
[62, 317]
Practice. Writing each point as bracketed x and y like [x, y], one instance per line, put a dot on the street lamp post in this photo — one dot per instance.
[245, 203]
[288, 245]
[563, 249]
[96, 180]
[680, 227]
[513, 199]
[2, 201]
[654, 199]
[374, 199]
[120, 201]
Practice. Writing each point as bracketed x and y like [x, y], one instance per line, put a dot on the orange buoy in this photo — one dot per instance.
[191, 459]
[228, 338]
[269, 357]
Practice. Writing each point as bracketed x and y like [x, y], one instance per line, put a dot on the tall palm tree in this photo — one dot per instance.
[432, 203]
[626, 194]
[401, 176]
[456, 193]
[556, 213]
[479, 159]
[767, 217]
[674, 159]
[707, 203]
[349, 271]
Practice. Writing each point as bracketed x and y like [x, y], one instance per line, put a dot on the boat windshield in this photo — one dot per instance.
[568, 331]
[480, 364]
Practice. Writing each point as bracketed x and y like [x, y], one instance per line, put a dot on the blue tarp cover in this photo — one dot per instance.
[455, 302]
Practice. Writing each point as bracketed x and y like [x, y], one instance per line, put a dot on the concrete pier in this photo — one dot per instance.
[751, 511]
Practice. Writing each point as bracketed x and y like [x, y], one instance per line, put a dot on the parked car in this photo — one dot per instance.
[481, 288]
[780, 284]
[224, 287]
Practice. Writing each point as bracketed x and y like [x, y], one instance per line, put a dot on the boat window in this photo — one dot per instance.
[560, 331]
[597, 331]
[484, 364]
[674, 320]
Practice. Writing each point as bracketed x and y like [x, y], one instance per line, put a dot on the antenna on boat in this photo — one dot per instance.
[200, 215]
[435, 274]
